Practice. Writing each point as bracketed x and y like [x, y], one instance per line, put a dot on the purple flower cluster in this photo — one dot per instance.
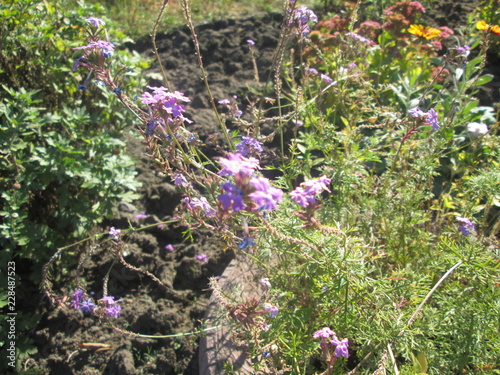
[246, 191]
[301, 19]
[360, 38]
[237, 165]
[429, 118]
[180, 180]
[327, 336]
[466, 227]
[248, 145]
[111, 307]
[103, 46]
[140, 216]
[113, 232]
[80, 301]
[232, 105]
[164, 102]
[463, 50]
[271, 309]
[325, 78]
[197, 205]
[246, 242]
[96, 22]
[265, 196]
[202, 257]
[232, 198]
[305, 194]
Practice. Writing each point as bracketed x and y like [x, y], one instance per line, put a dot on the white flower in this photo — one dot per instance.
[477, 128]
[265, 283]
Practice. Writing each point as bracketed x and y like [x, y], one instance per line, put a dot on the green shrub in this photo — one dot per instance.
[63, 167]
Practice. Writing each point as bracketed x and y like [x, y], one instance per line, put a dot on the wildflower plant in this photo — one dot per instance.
[381, 225]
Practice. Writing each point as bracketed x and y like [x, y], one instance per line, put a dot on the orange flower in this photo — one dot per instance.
[495, 29]
[482, 25]
[426, 32]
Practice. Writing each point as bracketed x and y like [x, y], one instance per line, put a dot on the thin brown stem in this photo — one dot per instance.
[155, 49]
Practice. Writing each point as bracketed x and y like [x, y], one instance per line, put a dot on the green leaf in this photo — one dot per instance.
[483, 80]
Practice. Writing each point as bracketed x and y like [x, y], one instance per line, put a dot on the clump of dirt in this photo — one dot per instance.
[180, 304]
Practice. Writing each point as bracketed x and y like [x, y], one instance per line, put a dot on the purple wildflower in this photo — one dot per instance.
[265, 327]
[180, 180]
[416, 113]
[248, 145]
[170, 248]
[298, 123]
[197, 204]
[432, 119]
[77, 64]
[142, 215]
[151, 127]
[265, 196]
[342, 347]
[77, 298]
[271, 309]
[360, 38]
[324, 333]
[246, 242]
[114, 232]
[202, 257]
[232, 198]
[109, 300]
[87, 305]
[168, 101]
[302, 17]
[466, 226]
[237, 164]
[316, 186]
[250, 42]
[305, 194]
[303, 200]
[463, 50]
[310, 71]
[326, 79]
[113, 311]
[96, 22]
[106, 47]
[224, 102]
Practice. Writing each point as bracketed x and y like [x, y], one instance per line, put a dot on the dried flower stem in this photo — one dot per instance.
[155, 49]
[187, 14]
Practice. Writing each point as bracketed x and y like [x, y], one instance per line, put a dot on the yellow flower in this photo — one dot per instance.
[426, 32]
[482, 25]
